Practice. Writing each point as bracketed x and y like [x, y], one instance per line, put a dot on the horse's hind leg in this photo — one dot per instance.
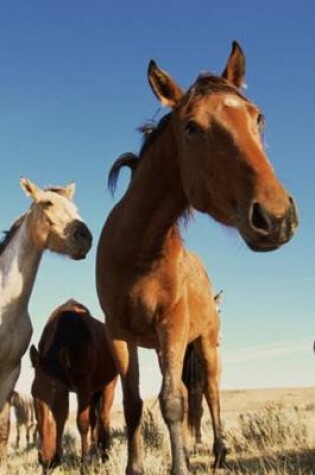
[212, 370]
[193, 381]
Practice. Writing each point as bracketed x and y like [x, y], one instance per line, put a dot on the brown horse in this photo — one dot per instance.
[73, 355]
[207, 154]
[24, 412]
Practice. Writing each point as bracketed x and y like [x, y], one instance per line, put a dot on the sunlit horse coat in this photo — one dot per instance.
[206, 154]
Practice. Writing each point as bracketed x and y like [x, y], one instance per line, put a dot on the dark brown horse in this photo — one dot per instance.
[73, 356]
[206, 154]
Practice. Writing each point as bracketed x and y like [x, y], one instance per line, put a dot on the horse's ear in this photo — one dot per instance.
[30, 189]
[234, 70]
[163, 86]
[69, 190]
[34, 356]
[64, 357]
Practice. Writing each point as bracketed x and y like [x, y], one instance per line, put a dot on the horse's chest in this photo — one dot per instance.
[15, 335]
[141, 314]
[135, 314]
[11, 286]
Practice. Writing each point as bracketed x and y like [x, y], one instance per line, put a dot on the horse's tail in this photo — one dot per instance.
[193, 379]
[126, 160]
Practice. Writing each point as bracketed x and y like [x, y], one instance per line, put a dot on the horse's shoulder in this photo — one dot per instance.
[194, 264]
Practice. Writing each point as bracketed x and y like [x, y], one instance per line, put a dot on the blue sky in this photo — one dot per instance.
[73, 91]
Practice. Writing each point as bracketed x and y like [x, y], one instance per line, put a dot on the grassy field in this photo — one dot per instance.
[268, 432]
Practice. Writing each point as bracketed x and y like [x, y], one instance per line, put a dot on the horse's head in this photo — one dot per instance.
[224, 168]
[51, 402]
[57, 225]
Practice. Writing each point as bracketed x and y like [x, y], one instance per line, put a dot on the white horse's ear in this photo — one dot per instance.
[70, 190]
[30, 189]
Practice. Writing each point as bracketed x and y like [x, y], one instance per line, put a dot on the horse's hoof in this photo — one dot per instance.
[219, 463]
[134, 471]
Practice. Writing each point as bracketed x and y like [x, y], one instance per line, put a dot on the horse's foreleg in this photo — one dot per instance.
[172, 341]
[126, 356]
[212, 368]
[185, 426]
[93, 422]
[8, 382]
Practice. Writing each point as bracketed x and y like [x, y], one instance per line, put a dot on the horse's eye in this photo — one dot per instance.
[192, 128]
[47, 204]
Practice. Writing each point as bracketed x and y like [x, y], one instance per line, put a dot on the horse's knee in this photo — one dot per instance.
[172, 407]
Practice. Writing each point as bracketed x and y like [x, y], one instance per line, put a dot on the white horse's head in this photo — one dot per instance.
[56, 224]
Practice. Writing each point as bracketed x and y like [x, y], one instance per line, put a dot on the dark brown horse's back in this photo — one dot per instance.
[75, 348]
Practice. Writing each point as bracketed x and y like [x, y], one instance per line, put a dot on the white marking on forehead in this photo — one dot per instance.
[232, 101]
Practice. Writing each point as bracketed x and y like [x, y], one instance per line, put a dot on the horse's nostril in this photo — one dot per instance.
[259, 219]
[81, 233]
[292, 217]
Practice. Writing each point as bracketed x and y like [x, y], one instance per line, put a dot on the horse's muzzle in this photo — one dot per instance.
[49, 465]
[80, 240]
[269, 231]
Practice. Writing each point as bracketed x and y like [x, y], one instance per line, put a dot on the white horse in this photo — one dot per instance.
[52, 222]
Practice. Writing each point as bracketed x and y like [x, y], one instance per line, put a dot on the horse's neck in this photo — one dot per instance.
[155, 200]
[18, 267]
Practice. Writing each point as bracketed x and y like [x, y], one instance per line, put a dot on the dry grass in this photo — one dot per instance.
[274, 436]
